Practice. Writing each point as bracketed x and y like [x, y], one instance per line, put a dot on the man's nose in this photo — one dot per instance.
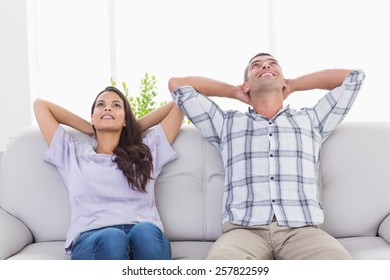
[107, 108]
[266, 65]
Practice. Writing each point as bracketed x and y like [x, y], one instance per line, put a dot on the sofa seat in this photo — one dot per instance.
[50, 250]
[367, 247]
[190, 250]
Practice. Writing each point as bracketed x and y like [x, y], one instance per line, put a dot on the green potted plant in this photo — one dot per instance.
[144, 102]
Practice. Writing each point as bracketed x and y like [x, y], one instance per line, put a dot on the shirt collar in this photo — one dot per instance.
[253, 113]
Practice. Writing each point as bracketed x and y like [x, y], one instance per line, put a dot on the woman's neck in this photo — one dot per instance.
[107, 142]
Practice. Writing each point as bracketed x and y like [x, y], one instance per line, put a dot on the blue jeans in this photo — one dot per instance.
[142, 241]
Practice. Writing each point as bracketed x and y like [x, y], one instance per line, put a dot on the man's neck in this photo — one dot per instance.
[267, 106]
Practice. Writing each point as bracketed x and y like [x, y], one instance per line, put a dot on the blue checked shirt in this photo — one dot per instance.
[271, 165]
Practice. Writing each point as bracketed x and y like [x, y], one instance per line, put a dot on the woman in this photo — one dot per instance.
[111, 185]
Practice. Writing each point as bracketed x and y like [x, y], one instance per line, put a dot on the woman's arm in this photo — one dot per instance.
[155, 117]
[169, 116]
[172, 122]
[50, 115]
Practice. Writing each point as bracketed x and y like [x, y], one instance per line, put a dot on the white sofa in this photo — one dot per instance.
[354, 183]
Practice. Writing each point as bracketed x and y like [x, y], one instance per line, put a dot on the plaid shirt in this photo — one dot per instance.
[271, 165]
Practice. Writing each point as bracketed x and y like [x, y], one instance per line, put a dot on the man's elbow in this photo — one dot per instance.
[173, 84]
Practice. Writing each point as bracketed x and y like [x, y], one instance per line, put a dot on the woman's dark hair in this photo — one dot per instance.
[132, 156]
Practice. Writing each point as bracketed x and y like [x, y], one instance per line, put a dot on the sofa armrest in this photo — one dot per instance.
[384, 229]
[14, 235]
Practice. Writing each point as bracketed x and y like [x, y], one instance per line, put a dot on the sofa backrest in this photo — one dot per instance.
[1, 156]
[188, 191]
[355, 178]
[33, 190]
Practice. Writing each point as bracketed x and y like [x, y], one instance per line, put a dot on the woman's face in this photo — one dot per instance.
[109, 112]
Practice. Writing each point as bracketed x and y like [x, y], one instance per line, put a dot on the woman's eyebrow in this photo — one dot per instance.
[117, 101]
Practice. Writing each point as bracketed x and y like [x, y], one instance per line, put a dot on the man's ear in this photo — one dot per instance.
[286, 90]
[245, 87]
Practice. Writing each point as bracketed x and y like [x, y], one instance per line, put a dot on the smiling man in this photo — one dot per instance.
[271, 207]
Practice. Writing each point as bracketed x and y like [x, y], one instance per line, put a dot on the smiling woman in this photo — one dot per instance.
[108, 114]
[118, 133]
[111, 185]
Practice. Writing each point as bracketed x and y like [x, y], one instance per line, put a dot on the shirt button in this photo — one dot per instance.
[270, 123]
[272, 178]
[270, 134]
[273, 200]
[271, 155]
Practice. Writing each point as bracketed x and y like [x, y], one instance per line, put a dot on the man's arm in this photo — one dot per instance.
[332, 108]
[210, 87]
[325, 79]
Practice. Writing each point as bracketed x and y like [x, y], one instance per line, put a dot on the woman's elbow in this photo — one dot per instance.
[38, 103]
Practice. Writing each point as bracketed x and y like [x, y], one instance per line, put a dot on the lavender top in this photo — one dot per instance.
[99, 193]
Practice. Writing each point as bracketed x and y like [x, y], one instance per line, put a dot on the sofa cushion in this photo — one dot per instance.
[33, 190]
[190, 250]
[384, 229]
[189, 189]
[367, 247]
[355, 178]
[43, 251]
[14, 235]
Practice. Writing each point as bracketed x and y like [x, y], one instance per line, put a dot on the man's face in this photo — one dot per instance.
[265, 68]
[264, 74]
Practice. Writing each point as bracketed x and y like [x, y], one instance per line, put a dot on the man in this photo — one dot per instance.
[271, 207]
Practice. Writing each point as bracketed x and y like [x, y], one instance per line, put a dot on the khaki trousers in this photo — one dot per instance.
[272, 241]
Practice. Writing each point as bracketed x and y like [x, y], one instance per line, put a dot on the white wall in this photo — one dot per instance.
[61, 47]
[73, 51]
[70, 52]
[212, 38]
[312, 35]
[72, 55]
[15, 99]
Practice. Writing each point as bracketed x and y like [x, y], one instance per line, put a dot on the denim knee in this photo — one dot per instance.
[149, 242]
[104, 244]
